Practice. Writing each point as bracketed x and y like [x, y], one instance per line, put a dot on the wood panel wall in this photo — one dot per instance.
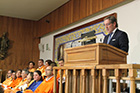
[72, 11]
[23, 43]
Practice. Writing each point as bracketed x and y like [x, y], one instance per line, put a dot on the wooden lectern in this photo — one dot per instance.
[94, 54]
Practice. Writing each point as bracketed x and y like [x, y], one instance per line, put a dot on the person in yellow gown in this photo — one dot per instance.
[18, 79]
[9, 78]
[48, 83]
[47, 63]
[41, 65]
[13, 78]
[61, 64]
[24, 79]
[31, 67]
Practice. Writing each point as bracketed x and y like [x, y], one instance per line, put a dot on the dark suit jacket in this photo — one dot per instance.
[119, 40]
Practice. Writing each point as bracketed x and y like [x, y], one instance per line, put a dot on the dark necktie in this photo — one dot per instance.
[109, 38]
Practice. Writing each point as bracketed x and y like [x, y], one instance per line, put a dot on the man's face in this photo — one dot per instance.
[18, 74]
[40, 63]
[61, 63]
[23, 74]
[109, 26]
[49, 71]
[9, 74]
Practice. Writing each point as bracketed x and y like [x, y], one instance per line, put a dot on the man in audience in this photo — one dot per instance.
[24, 78]
[41, 66]
[61, 64]
[9, 74]
[18, 79]
[47, 85]
[47, 63]
[13, 77]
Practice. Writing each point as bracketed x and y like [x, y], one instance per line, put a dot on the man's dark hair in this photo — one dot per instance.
[53, 64]
[61, 60]
[49, 61]
[11, 70]
[19, 70]
[32, 63]
[112, 19]
[41, 60]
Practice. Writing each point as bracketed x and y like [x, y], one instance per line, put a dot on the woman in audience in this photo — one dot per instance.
[18, 79]
[31, 67]
[28, 82]
[37, 81]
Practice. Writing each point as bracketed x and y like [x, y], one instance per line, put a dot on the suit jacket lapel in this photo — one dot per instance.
[114, 36]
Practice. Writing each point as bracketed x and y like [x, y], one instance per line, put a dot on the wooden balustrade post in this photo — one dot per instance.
[67, 82]
[60, 83]
[132, 75]
[99, 87]
[74, 81]
[93, 81]
[55, 86]
[117, 75]
[83, 81]
[105, 75]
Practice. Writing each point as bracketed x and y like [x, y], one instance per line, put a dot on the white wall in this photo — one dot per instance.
[128, 16]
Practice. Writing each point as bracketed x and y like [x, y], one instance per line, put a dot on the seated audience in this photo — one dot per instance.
[31, 67]
[47, 63]
[16, 88]
[13, 77]
[9, 74]
[48, 83]
[18, 79]
[41, 65]
[28, 82]
[61, 63]
[24, 78]
[37, 81]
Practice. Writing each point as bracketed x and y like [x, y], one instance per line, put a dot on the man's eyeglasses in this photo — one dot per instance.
[107, 24]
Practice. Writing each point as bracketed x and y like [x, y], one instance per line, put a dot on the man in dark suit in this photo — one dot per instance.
[116, 37]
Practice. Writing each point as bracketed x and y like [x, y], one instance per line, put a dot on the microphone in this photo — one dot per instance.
[87, 38]
[75, 40]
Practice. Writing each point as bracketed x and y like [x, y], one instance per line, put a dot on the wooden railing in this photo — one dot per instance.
[94, 79]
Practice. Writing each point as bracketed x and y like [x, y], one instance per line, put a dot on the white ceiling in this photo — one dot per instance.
[29, 9]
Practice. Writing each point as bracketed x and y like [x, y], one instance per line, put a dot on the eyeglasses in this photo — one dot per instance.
[107, 24]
